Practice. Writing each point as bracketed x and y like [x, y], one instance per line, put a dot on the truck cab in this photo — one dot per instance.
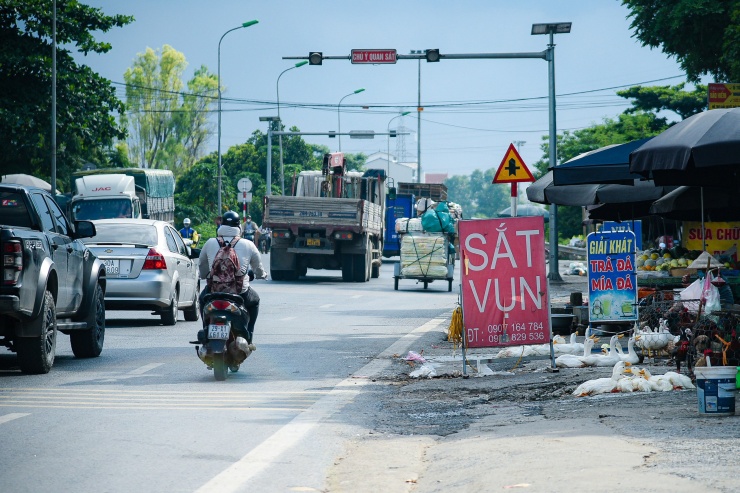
[105, 197]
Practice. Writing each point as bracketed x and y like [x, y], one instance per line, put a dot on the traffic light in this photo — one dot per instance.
[432, 55]
[315, 58]
[392, 133]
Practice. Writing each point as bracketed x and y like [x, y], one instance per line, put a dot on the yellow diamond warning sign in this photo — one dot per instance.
[512, 169]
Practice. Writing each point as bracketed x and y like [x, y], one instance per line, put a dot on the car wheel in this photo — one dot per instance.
[169, 317]
[89, 343]
[193, 313]
[36, 354]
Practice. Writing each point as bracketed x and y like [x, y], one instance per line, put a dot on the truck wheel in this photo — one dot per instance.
[376, 271]
[36, 354]
[347, 267]
[89, 343]
[169, 317]
[193, 313]
[359, 267]
[395, 284]
[449, 287]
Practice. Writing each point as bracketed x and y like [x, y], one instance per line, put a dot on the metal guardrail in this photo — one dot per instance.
[567, 252]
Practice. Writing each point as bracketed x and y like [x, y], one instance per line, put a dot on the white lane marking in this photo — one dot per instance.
[328, 305]
[144, 369]
[236, 476]
[356, 296]
[287, 318]
[10, 417]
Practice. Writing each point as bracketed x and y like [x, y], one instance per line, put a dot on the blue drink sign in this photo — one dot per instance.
[612, 281]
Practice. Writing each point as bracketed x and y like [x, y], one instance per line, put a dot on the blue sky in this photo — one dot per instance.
[597, 58]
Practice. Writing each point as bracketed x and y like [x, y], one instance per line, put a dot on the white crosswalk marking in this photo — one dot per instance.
[10, 417]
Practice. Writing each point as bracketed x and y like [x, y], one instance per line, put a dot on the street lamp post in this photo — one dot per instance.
[339, 121]
[272, 120]
[388, 155]
[280, 137]
[418, 121]
[552, 29]
[246, 24]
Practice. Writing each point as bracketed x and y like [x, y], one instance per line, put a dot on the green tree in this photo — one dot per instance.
[671, 98]
[86, 102]
[477, 195]
[703, 35]
[168, 128]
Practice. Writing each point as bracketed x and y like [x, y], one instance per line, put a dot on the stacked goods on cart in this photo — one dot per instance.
[424, 254]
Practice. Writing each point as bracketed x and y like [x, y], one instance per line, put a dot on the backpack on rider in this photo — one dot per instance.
[226, 275]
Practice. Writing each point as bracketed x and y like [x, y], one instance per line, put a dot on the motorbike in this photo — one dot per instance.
[264, 243]
[221, 347]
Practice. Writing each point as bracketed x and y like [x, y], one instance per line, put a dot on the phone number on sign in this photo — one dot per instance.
[519, 332]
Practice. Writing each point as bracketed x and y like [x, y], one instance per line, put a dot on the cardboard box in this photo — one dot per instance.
[682, 271]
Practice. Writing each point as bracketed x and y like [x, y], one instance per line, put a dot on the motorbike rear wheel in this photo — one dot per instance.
[219, 367]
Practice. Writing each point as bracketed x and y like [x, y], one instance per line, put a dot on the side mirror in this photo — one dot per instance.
[194, 253]
[84, 229]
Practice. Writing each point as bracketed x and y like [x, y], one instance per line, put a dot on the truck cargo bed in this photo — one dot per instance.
[323, 213]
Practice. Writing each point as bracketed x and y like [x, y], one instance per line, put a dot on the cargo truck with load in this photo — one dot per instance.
[333, 221]
[123, 192]
[400, 202]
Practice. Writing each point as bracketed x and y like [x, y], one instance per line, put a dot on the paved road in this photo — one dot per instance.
[148, 416]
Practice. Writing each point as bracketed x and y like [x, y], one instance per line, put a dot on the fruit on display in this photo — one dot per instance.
[664, 259]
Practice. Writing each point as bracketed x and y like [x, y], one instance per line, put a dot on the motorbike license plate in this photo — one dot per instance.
[111, 266]
[313, 242]
[218, 331]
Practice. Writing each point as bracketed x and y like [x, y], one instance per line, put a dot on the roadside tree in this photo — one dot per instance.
[86, 102]
[168, 126]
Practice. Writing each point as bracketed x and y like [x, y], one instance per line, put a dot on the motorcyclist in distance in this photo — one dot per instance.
[189, 233]
[249, 262]
[251, 230]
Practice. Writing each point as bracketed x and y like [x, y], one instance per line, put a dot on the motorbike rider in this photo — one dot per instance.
[250, 230]
[249, 260]
[189, 233]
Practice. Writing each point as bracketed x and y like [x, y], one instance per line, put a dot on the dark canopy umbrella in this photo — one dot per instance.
[702, 150]
[624, 211]
[526, 210]
[544, 191]
[684, 203]
[610, 164]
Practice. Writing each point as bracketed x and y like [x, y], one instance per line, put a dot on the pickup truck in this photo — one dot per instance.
[51, 282]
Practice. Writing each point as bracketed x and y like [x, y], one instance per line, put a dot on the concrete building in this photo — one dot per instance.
[399, 172]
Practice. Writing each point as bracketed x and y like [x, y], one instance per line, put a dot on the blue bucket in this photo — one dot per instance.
[715, 389]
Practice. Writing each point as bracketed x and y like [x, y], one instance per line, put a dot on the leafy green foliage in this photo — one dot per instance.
[477, 195]
[86, 102]
[671, 98]
[168, 127]
[703, 35]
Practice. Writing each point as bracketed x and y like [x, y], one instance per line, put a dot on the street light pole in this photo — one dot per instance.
[388, 154]
[280, 137]
[339, 121]
[246, 24]
[551, 29]
[418, 129]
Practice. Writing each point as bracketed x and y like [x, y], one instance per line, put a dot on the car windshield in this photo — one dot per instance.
[140, 234]
[101, 209]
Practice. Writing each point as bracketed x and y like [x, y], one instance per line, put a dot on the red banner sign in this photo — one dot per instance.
[373, 56]
[504, 282]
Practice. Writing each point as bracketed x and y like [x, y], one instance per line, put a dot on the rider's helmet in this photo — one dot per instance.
[249, 218]
[186, 222]
[230, 218]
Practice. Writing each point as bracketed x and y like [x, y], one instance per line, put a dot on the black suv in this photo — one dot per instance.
[50, 280]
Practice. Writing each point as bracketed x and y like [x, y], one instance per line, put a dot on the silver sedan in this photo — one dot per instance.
[148, 267]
